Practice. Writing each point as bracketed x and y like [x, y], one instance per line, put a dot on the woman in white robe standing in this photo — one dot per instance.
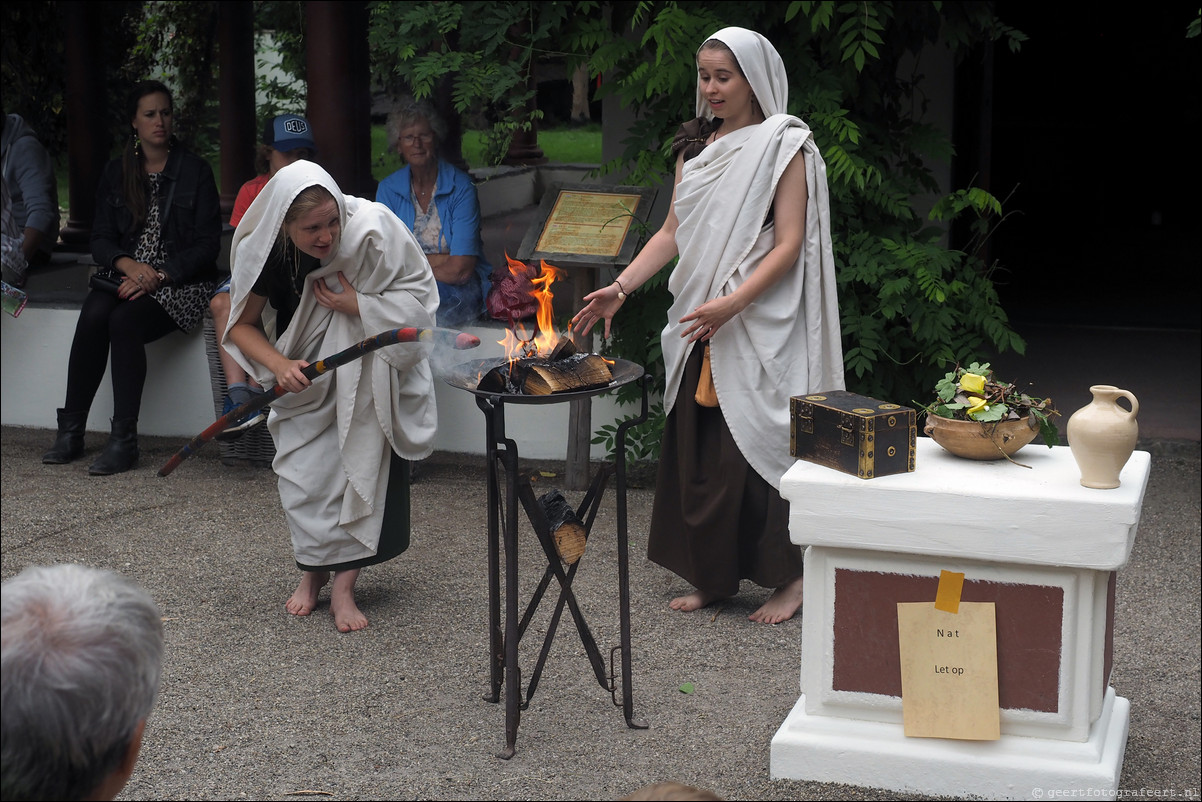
[755, 281]
[336, 269]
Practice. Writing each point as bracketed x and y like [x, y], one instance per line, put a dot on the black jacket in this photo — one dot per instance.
[191, 227]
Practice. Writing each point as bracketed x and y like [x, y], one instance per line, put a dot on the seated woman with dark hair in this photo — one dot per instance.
[156, 235]
[439, 204]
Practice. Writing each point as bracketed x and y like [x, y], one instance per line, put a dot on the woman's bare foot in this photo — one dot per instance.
[347, 616]
[693, 601]
[781, 605]
[304, 598]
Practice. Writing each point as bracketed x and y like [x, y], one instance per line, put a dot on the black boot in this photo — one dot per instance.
[69, 443]
[121, 452]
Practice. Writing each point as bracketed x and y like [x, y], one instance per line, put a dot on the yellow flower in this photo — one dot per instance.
[978, 405]
[972, 383]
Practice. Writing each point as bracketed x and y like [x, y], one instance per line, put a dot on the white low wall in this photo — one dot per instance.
[177, 401]
[178, 398]
[506, 189]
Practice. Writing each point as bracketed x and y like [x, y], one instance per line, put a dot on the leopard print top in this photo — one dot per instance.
[185, 303]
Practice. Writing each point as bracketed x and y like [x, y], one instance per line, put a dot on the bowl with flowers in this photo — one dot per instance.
[978, 416]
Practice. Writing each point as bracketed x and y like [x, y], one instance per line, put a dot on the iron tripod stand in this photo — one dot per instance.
[502, 455]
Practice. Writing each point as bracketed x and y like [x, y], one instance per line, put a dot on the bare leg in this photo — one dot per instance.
[342, 602]
[304, 598]
[781, 605]
[694, 601]
[219, 308]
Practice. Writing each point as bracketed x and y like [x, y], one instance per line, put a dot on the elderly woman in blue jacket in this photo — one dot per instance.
[438, 202]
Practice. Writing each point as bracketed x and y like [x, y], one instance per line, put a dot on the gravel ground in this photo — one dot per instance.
[257, 704]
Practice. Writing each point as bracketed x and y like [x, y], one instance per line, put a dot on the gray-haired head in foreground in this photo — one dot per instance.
[81, 657]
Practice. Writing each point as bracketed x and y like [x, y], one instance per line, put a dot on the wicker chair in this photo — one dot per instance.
[255, 447]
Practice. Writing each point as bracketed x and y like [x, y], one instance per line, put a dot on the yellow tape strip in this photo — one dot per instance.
[947, 598]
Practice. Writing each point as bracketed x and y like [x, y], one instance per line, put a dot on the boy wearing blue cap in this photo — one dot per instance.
[286, 139]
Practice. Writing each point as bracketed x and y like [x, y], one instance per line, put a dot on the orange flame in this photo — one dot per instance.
[547, 337]
[520, 343]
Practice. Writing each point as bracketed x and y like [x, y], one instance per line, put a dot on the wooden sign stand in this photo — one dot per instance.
[584, 228]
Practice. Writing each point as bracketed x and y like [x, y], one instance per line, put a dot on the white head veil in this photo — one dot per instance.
[762, 66]
[261, 224]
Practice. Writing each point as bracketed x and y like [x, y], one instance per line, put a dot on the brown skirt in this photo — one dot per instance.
[715, 521]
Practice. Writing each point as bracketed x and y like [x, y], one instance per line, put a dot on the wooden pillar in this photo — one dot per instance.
[88, 139]
[523, 148]
[580, 95]
[236, 87]
[451, 148]
[339, 102]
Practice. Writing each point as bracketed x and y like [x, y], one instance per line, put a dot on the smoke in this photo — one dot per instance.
[448, 361]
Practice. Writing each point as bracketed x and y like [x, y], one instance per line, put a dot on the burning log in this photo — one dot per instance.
[565, 370]
[566, 527]
[577, 372]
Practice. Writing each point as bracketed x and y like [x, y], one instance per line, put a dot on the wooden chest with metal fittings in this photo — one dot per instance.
[852, 433]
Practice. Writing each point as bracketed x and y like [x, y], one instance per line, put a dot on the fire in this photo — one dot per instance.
[520, 343]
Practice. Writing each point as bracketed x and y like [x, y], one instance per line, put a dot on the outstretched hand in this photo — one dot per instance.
[601, 304]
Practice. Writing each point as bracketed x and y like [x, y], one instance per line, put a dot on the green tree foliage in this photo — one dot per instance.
[174, 41]
[177, 44]
[280, 32]
[34, 64]
[910, 305]
[482, 53]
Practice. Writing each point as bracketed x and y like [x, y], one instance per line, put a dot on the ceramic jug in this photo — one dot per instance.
[1102, 436]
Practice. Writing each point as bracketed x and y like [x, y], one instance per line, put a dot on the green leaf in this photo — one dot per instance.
[686, 687]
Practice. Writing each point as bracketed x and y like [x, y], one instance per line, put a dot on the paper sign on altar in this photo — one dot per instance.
[949, 671]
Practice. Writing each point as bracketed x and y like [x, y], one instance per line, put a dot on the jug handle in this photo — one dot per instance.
[1121, 394]
[1134, 403]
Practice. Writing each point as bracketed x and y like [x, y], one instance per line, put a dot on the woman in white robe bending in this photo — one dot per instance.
[335, 269]
[755, 281]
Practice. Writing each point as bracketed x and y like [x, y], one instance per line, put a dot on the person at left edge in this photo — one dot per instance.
[157, 230]
[33, 193]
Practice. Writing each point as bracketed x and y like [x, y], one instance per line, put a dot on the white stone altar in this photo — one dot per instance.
[1032, 540]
